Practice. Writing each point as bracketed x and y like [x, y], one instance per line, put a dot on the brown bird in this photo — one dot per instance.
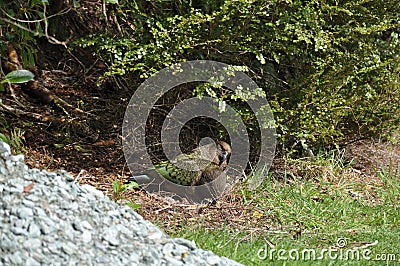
[203, 165]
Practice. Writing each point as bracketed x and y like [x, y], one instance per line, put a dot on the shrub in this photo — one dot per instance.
[328, 69]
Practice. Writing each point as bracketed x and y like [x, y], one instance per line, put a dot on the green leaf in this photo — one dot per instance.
[112, 1]
[18, 76]
[117, 187]
[58, 146]
[4, 138]
[132, 185]
[78, 147]
[260, 58]
[76, 3]
[133, 205]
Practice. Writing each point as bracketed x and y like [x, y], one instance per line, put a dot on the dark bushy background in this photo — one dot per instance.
[329, 69]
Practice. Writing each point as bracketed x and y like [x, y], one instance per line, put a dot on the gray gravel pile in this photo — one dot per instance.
[47, 219]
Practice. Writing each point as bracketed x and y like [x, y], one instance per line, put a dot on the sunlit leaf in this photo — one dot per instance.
[133, 205]
[4, 138]
[80, 148]
[132, 185]
[58, 145]
[18, 76]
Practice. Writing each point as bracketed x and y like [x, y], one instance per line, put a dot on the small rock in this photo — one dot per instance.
[16, 258]
[172, 261]
[33, 230]
[185, 242]
[93, 190]
[32, 244]
[24, 212]
[86, 236]
[31, 262]
[86, 225]
[69, 248]
[167, 249]
[111, 236]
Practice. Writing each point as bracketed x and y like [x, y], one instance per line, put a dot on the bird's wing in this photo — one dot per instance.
[212, 172]
[201, 166]
[181, 175]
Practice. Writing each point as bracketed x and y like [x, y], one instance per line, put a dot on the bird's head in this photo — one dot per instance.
[223, 152]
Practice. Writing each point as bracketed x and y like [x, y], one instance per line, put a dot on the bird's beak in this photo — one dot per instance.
[224, 156]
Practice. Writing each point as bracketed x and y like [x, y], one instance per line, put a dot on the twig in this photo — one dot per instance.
[10, 87]
[20, 112]
[162, 209]
[35, 33]
[105, 11]
[62, 12]
[14, 96]
[51, 39]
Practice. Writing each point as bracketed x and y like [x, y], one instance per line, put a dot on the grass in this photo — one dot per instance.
[15, 139]
[311, 215]
[118, 190]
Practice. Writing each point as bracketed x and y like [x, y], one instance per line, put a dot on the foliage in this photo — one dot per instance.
[23, 23]
[15, 139]
[119, 189]
[17, 76]
[328, 68]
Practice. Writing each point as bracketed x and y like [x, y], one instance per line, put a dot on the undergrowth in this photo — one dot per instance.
[314, 221]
